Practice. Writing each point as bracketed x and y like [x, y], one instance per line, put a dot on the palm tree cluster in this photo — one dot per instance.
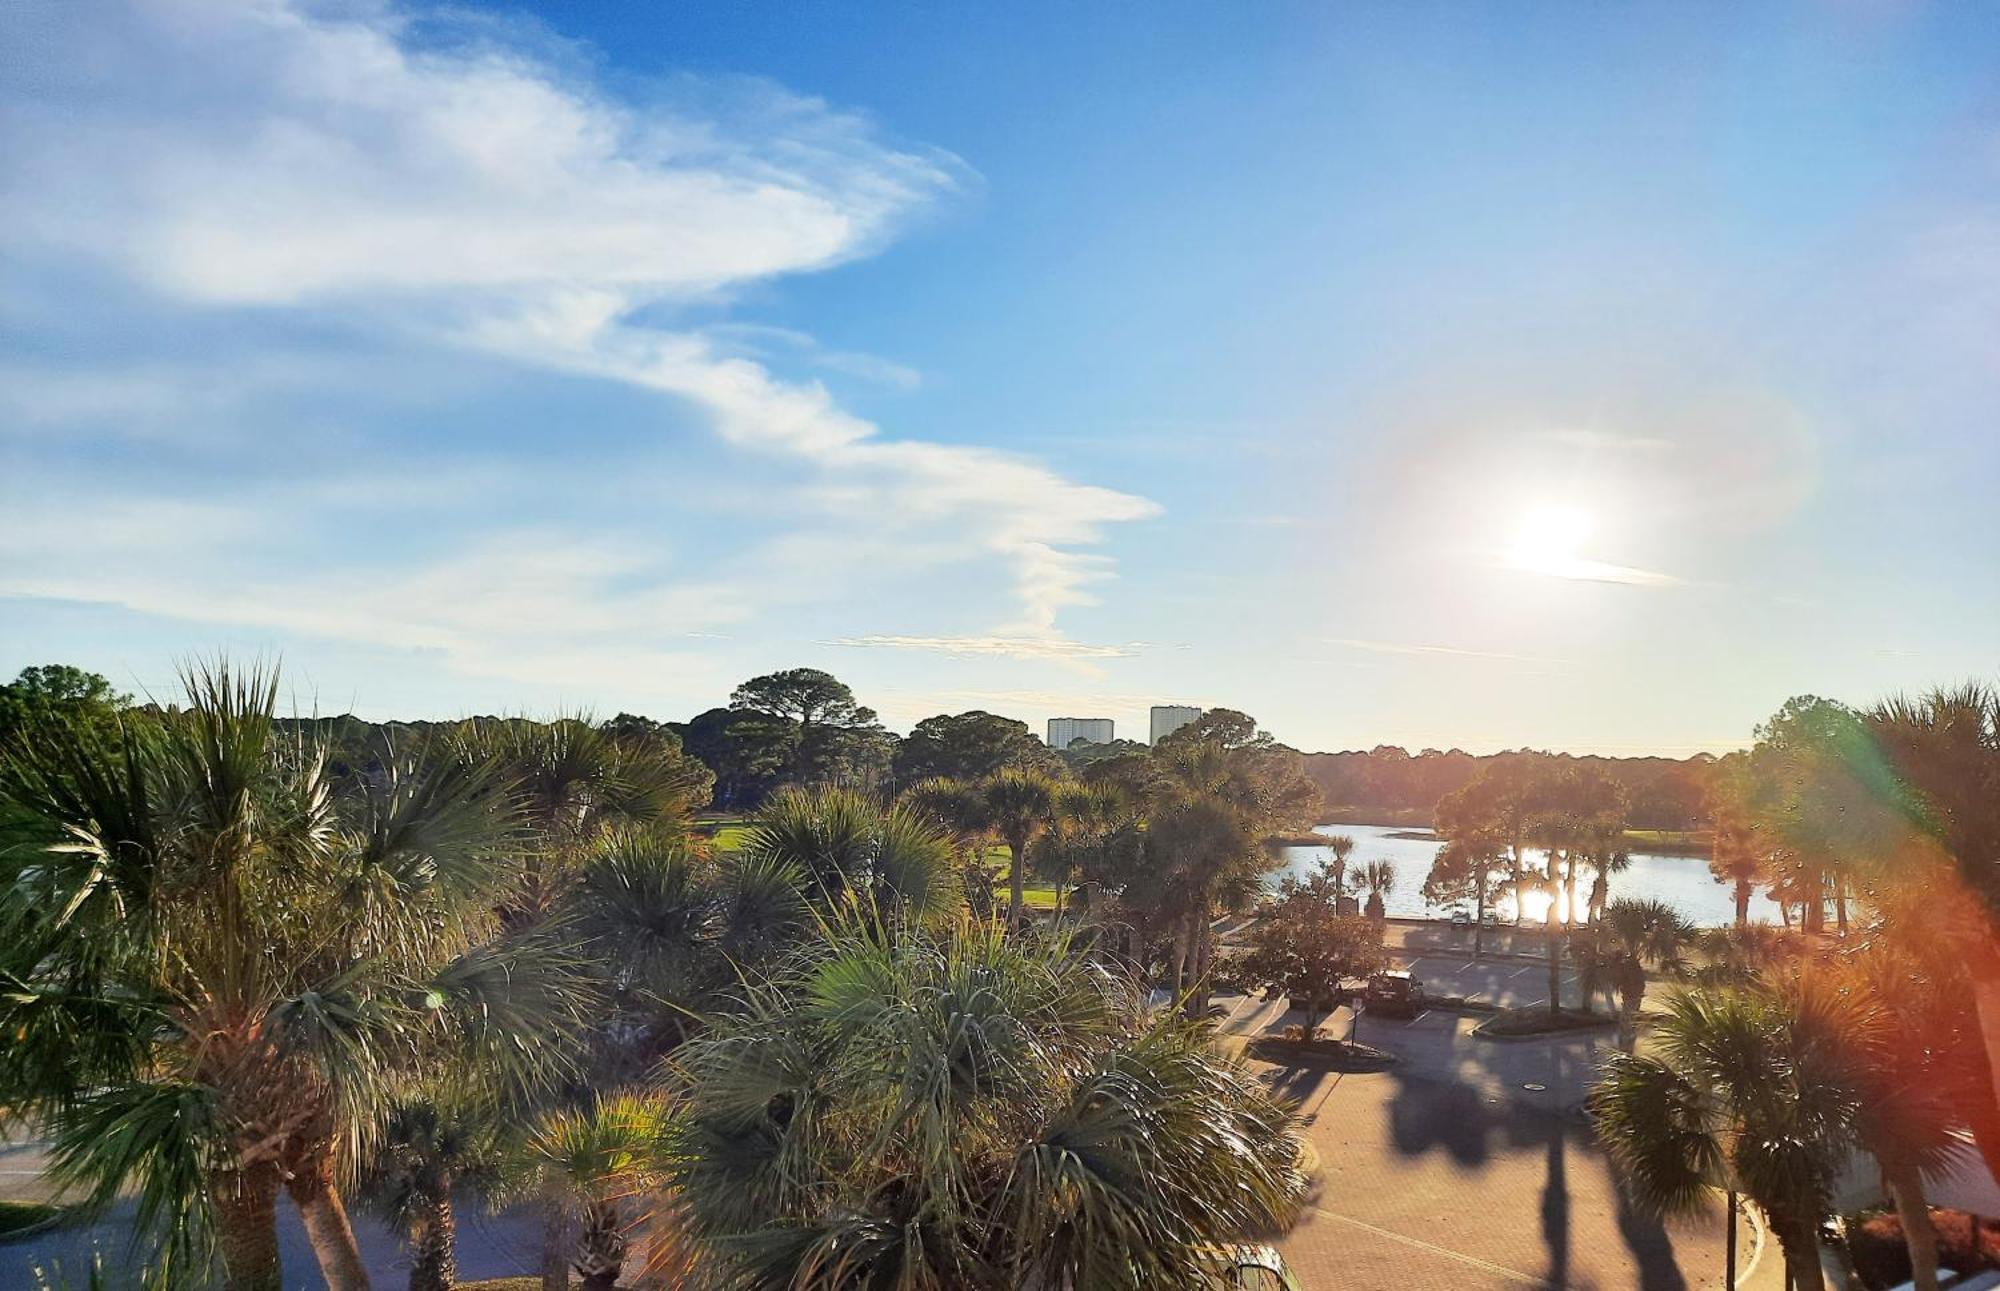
[246, 958]
[221, 961]
[1573, 813]
[1797, 1049]
[902, 1108]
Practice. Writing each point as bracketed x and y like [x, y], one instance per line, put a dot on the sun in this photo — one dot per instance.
[1549, 539]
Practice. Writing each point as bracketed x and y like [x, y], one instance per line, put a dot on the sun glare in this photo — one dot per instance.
[1549, 539]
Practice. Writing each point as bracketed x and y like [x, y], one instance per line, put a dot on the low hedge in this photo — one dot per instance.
[1875, 1244]
[1535, 1019]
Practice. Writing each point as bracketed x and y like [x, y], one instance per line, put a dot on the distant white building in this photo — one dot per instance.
[1065, 731]
[1168, 718]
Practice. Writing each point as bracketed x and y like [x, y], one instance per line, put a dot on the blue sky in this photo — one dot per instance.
[1585, 377]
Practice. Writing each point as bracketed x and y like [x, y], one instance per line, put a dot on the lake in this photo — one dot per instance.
[1683, 882]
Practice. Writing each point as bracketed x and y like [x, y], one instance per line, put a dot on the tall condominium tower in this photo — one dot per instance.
[1064, 731]
[1168, 718]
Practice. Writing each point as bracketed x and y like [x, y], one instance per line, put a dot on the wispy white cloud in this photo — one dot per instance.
[1451, 652]
[1061, 648]
[458, 186]
[1577, 569]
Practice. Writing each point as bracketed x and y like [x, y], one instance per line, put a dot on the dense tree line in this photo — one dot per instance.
[1390, 784]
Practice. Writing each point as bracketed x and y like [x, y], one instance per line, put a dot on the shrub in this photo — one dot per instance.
[1882, 1260]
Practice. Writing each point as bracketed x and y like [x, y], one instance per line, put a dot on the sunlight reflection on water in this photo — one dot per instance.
[1683, 882]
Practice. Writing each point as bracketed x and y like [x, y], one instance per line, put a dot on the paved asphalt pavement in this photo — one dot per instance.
[1467, 1164]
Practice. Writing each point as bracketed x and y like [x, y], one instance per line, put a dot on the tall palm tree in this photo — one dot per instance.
[1379, 877]
[1338, 847]
[1021, 806]
[221, 960]
[1635, 936]
[1088, 818]
[976, 1110]
[1575, 814]
[958, 809]
[1943, 750]
[1737, 858]
[1750, 1091]
[1918, 1066]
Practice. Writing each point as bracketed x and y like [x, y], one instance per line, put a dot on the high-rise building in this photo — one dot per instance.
[1065, 731]
[1168, 718]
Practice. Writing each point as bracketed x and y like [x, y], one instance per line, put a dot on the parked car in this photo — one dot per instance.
[1460, 920]
[1250, 1267]
[1394, 994]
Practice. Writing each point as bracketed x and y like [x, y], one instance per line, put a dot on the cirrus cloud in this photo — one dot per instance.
[460, 186]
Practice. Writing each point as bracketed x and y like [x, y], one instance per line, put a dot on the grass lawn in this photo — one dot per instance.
[725, 833]
[1039, 896]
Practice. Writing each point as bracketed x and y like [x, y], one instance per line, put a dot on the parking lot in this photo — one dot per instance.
[1468, 1163]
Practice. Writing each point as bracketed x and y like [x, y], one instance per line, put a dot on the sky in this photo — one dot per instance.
[1567, 376]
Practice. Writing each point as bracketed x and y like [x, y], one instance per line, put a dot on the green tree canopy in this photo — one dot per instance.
[969, 746]
[1303, 947]
[56, 692]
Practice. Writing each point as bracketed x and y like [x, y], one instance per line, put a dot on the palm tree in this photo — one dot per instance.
[1918, 1065]
[1088, 818]
[664, 925]
[1750, 1091]
[978, 1110]
[850, 851]
[1020, 805]
[574, 783]
[1737, 859]
[592, 1166]
[1379, 877]
[434, 1142]
[1741, 954]
[1339, 847]
[1943, 752]
[221, 960]
[958, 809]
[1637, 935]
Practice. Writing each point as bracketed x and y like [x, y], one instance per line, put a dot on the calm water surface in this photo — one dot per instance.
[1683, 882]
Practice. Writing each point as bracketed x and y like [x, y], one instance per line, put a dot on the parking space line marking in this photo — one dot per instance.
[1514, 1275]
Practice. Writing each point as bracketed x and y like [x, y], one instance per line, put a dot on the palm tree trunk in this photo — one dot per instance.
[1017, 898]
[1514, 873]
[1479, 916]
[557, 1237]
[327, 1229]
[1840, 903]
[603, 1247]
[1555, 960]
[1906, 1188]
[1204, 952]
[1631, 998]
[1183, 940]
[434, 1266]
[1986, 1120]
[246, 1212]
[1742, 902]
[1799, 1240]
